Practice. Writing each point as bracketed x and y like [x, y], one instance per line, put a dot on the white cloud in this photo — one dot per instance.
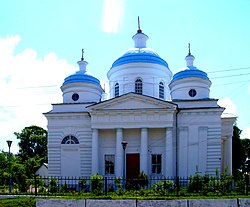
[28, 87]
[229, 105]
[113, 11]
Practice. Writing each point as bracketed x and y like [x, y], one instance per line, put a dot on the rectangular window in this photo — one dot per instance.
[138, 86]
[156, 164]
[161, 90]
[116, 89]
[109, 164]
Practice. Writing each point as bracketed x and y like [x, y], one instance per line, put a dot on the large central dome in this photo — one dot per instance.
[140, 70]
[135, 55]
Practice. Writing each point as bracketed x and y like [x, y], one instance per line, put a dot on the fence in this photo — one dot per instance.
[156, 186]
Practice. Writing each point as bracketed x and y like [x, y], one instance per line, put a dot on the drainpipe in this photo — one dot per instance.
[176, 151]
[176, 143]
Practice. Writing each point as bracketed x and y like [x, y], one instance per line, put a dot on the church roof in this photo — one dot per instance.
[190, 71]
[81, 76]
[140, 52]
[135, 55]
[131, 96]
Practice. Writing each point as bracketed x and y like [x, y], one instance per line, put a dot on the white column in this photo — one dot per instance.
[169, 152]
[182, 150]
[229, 154]
[144, 151]
[119, 153]
[95, 154]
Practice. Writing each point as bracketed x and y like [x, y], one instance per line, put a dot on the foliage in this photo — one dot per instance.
[53, 185]
[162, 187]
[83, 184]
[96, 184]
[4, 167]
[209, 183]
[18, 202]
[246, 146]
[32, 148]
[120, 190]
[19, 176]
[65, 187]
[143, 180]
[238, 154]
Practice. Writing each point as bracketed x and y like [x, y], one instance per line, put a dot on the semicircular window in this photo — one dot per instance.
[70, 140]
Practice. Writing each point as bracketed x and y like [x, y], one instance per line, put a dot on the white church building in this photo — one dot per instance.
[170, 123]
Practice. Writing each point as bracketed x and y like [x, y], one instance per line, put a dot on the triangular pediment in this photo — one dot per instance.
[133, 101]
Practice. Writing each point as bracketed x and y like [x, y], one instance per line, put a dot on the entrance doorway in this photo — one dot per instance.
[132, 165]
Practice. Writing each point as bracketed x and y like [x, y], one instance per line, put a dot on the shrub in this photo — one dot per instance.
[65, 188]
[162, 187]
[96, 184]
[120, 190]
[142, 180]
[195, 183]
[83, 184]
[53, 185]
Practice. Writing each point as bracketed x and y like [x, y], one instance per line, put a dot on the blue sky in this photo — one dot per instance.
[41, 41]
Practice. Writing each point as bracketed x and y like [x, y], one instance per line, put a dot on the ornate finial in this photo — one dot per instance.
[82, 55]
[139, 26]
[189, 52]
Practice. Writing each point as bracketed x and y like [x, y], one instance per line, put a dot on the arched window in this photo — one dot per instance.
[161, 90]
[116, 89]
[70, 139]
[138, 86]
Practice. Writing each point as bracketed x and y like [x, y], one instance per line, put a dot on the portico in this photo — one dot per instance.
[144, 145]
[146, 131]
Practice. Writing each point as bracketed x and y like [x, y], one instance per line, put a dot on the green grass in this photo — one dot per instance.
[18, 202]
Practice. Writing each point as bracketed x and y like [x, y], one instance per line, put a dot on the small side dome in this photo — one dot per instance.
[190, 72]
[190, 83]
[81, 86]
[82, 75]
[79, 77]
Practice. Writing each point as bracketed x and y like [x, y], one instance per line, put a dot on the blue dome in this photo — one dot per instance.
[191, 71]
[81, 76]
[136, 55]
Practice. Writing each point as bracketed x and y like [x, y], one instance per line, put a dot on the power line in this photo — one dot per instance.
[233, 69]
[235, 82]
[228, 76]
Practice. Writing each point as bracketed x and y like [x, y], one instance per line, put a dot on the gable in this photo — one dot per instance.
[132, 101]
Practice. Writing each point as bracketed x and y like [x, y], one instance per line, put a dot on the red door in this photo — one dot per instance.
[132, 165]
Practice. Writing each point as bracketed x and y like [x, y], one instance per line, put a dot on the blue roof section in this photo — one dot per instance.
[190, 72]
[136, 55]
[81, 76]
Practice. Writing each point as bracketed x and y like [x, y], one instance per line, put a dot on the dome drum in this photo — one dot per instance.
[191, 89]
[88, 93]
[150, 74]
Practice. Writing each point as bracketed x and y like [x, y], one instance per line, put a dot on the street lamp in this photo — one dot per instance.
[124, 145]
[9, 142]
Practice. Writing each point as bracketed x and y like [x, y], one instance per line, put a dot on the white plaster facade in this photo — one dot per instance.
[171, 125]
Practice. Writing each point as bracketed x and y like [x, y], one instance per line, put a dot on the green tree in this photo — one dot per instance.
[246, 145]
[4, 167]
[32, 148]
[238, 156]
